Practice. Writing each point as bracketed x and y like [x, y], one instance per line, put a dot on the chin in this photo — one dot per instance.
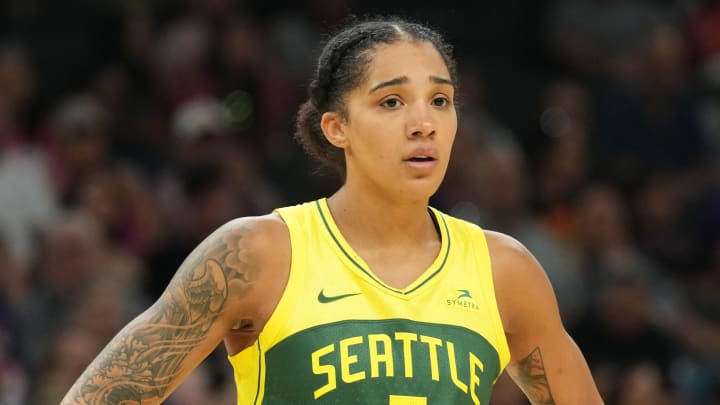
[420, 189]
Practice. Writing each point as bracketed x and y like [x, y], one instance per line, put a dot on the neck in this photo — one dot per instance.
[368, 219]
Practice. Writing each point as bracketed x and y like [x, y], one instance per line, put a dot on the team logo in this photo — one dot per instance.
[462, 299]
[326, 299]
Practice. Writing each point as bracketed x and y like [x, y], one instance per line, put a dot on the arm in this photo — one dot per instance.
[212, 289]
[545, 362]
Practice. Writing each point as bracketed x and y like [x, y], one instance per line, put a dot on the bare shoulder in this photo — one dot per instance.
[260, 243]
[522, 287]
[544, 361]
[261, 237]
[512, 262]
[250, 256]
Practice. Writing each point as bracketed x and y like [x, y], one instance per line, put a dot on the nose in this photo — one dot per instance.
[420, 122]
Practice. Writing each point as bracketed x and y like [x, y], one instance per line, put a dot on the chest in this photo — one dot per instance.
[399, 269]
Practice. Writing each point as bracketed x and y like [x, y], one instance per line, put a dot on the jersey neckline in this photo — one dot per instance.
[359, 264]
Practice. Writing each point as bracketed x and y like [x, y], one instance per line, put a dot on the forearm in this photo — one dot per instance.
[152, 354]
[144, 362]
[128, 369]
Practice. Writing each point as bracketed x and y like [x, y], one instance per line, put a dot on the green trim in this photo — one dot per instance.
[260, 371]
[339, 245]
[366, 325]
[447, 253]
[367, 272]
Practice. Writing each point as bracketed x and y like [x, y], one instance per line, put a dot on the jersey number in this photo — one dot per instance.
[405, 400]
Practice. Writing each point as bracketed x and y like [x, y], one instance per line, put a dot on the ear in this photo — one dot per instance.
[332, 127]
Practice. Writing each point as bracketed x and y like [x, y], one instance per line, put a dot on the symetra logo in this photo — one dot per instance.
[325, 299]
[462, 299]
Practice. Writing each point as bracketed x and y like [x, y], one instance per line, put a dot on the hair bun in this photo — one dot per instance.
[318, 94]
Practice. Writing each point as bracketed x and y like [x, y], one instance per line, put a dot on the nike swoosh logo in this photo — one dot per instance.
[324, 299]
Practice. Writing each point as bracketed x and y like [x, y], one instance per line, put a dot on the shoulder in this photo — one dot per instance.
[507, 251]
[249, 260]
[261, 238]
[522, 288]
[249, 251]
[258, 228]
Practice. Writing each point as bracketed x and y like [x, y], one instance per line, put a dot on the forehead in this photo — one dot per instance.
[414, 59]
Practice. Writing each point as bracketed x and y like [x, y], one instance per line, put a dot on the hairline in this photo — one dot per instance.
[341, 109]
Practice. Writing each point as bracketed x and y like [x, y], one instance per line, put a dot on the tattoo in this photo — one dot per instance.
[145, 359]
[533, 380]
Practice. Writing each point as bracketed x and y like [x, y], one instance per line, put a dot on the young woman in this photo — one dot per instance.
[368, 296]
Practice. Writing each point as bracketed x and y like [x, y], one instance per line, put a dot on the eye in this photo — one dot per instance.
[391, 103]
[440, 101]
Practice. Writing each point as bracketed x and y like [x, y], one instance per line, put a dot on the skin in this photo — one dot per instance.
[228, 286]
[545, 362]
[406, 92]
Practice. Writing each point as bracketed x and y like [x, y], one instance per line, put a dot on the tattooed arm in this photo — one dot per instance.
[218, 285]
[545, 362]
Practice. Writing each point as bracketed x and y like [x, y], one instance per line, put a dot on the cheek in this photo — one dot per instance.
[373, 139]
[452, 120]
[449, 130]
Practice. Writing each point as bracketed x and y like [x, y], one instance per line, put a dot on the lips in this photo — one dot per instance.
[420, 159]
[425, 154]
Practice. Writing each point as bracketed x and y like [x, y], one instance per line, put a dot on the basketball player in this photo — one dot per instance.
[368, 296]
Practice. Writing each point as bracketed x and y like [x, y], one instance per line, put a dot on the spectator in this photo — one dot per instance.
[116, 120]
[625, 349]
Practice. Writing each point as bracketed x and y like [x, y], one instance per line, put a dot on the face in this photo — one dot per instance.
[401, 122]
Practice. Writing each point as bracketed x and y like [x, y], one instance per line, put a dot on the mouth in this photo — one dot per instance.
[421, 158]
[422, 163]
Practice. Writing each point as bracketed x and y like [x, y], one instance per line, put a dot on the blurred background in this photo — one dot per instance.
[589, 130]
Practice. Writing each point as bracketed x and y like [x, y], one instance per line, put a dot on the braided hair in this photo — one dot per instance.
[340, 68]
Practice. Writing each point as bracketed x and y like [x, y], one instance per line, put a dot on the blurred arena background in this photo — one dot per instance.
[589, 130]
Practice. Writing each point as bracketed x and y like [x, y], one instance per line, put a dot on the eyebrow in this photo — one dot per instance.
[392, 82]
[404, 79]
[441, 80]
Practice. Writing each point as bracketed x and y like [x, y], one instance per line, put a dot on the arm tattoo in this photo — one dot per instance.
[145, 359]
[533, 380]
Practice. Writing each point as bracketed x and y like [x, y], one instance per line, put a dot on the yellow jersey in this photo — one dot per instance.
[339, 335]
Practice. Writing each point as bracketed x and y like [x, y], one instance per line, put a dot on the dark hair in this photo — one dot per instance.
[341, 67]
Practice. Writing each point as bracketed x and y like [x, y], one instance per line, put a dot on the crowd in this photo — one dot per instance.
[589, 130]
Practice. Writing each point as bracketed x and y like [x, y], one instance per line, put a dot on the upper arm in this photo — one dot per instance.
[220, 281]
[545, 362]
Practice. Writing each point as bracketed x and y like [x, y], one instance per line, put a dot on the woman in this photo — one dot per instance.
[368, 296]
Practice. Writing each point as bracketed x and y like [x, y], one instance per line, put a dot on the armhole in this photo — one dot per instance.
[249, 363]
[249, 374]
[488, 287]
[291, 292]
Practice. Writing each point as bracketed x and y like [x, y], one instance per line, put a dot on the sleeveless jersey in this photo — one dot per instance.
[339, 335]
